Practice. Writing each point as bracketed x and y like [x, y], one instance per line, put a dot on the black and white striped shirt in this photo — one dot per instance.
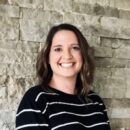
[56, 110]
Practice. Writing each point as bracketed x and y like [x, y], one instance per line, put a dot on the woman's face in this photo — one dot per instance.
[65, 55]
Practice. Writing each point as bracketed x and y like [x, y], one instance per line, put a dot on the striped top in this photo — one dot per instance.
[52, 109]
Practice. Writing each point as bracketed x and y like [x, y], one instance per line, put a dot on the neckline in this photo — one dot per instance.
[61, 92]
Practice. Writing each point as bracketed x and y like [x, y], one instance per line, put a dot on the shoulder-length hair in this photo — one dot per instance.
[85, 76]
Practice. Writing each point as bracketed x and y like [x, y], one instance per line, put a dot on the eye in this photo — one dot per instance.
[77, 48]
[58, 49]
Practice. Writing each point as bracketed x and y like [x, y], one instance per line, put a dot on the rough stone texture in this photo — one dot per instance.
[96, 9]
[124, 14]
[9, 11]
[105, 24]
[9, 28]
[59, 5]
[27, 3]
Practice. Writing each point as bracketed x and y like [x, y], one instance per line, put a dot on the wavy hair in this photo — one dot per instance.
[85, 76]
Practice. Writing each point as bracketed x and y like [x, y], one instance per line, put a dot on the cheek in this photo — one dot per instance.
[53, 58]
[79, 57]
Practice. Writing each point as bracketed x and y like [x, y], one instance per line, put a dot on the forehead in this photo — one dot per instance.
[64, 36]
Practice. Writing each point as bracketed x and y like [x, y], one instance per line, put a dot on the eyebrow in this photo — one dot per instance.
[59, 45]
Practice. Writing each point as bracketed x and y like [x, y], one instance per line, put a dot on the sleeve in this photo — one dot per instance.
[29, 116]
[104, 111]
[96, 98]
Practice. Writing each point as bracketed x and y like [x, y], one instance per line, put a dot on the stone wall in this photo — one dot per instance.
[106, 25]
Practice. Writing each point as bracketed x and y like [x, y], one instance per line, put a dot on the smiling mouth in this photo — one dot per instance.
[66, 65]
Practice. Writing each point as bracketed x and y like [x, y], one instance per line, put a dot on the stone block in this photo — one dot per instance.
[122, 53]
[22, 84]
[103, 52]
[7, 119]
[27, 47]
[111, 12]
[117, 103]
[29, 58]
[83, 21]
[109, 27]
[9, 11]
[75, 19]
[100, 2]
[93, 41]
[10, 56]
[3, 79]
[58, 5]
[9, 28]
[20, 46]
[3, 69]
[118, 73]
[3, 92]
[121, 48]
[125, 4]
[107, 42]
[127, 75]
[120, 113]
[112, 63]
[33, 30]
[115, 28]
[110, 87]
[91, 30]
[123, 43]
[103, 72]
[82, 8]
[4, 44]
[120, 123]
[124, 14]
[91, 1]
[2, 1]
[10, 69]
[95, 9]
[28, 3]
[11, 85]
[24, 69]
[48, 16]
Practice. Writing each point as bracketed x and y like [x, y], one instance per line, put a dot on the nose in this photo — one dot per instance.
[67, 54]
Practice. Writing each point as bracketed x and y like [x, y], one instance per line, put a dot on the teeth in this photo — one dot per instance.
[66, 64]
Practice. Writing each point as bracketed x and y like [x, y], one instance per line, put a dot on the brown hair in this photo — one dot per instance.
[85, 76]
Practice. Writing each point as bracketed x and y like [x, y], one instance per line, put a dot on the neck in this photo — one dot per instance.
[66, 85]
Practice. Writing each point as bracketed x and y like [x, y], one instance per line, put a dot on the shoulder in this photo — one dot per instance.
[95, 97]
[33, 92]
[28, 100]
[30, 95]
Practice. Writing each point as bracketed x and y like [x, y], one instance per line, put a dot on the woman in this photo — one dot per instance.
[63, 99]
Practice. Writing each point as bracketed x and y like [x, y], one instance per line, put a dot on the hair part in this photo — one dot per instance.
[85, 76]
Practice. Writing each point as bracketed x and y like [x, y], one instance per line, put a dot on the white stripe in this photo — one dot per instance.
[44, 93]
[91, 94]
[28, 110]
[73, 104]
[108, 121]
[45, 108]
[82, 115]
[105, 110]
[64, 103]
[71, 123]
[31, 125]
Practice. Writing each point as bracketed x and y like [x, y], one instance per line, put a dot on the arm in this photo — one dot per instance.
[96, 98]
[29, 115]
